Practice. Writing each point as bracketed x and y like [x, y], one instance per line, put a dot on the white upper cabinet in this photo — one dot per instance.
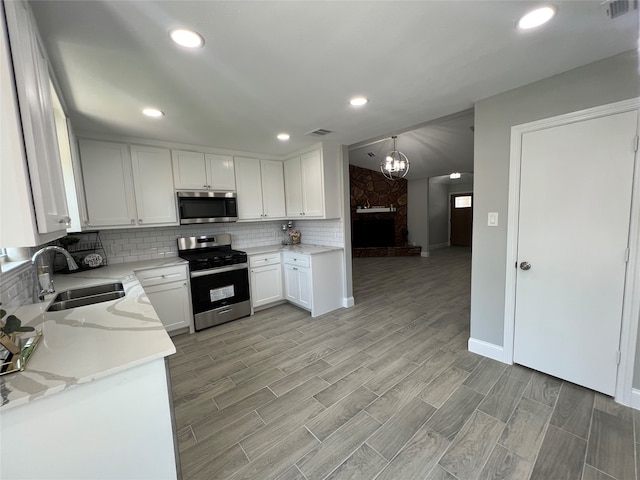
[312, 186]
[293, 187]
[108, 183]
[29, 71]
[273, 203]
[189, 170]
[220, 173]
[127, 186]
[199, 171]
[153, 185]
[260, 188]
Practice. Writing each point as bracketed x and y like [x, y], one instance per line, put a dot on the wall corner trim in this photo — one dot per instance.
[348, 302]
[490, 350]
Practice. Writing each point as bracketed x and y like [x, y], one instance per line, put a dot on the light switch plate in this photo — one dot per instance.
[492, 219]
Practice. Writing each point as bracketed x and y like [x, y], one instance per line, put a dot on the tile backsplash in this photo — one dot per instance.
[16, 287]
[132, 244]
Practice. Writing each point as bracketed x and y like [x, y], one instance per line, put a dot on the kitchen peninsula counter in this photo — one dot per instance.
[86, 343]
[94, 400]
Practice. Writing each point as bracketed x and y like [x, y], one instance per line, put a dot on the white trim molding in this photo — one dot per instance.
[631, 305]
[486, 349]
[348, 302]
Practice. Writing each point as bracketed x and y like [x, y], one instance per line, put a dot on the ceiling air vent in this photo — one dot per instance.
[616, 8]
[320, 132]
[371, 154]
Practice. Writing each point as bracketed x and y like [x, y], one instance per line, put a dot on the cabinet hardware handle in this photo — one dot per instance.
[204, 186]
[140, 220]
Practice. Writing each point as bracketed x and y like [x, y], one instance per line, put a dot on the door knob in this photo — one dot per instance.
[525, 266]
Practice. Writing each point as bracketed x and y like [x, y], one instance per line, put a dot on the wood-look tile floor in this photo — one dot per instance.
[385, 390]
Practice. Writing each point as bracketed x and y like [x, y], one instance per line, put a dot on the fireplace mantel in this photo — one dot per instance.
[376, 210]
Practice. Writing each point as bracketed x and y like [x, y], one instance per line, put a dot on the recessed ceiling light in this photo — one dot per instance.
[454, 175]
[284, 136]
[186, 38]
[536, 17]
[359, 101]
[152, 112]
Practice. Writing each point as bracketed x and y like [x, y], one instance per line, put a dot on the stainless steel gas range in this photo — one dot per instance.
[219, 279]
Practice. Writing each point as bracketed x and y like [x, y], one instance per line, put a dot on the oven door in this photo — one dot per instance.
[220, 295]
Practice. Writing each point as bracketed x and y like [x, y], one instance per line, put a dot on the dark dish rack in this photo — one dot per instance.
[79, 245]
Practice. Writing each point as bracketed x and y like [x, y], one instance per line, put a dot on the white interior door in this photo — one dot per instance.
[575, 199]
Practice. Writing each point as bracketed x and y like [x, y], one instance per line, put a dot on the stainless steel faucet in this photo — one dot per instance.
[38, 292]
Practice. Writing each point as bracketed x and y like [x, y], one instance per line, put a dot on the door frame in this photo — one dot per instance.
[631, 304]
[451, 194]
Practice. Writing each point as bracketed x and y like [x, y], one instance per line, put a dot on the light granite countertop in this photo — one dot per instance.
[84, 344]
[304, 248]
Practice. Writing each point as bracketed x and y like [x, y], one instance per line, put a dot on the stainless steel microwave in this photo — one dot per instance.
[207, 207]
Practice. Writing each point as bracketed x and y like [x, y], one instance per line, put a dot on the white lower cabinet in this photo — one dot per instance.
[266, 279]
[298, 285]
[314, 282]
[168, 292]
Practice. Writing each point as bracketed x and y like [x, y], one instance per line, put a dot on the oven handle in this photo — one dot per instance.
[213, 271]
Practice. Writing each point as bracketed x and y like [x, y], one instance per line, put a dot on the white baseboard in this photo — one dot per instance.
[424, 254]
[348, 302]
[438, 245]
[635, 398]
[490, 350]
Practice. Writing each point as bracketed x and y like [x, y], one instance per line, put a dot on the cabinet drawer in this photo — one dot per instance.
[296, 259]
[264, 259]
[161, 275]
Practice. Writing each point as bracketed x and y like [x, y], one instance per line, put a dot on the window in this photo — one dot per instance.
[462, 202]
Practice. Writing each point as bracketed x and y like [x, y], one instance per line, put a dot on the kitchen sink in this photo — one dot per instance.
[80, 297]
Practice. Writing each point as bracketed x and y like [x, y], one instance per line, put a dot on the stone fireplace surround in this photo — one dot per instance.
[371, 188]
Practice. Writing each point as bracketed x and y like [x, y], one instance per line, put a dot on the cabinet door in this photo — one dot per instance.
[31, 71]
[293, 187]
[108, 182]
[305, 292]
[220, 173]
[171, 303]
[189, 170]
[312, 184]
[249, 188]
[291, 284]
[153, 182]
[273, 190]
[266, 285]
[75, 192]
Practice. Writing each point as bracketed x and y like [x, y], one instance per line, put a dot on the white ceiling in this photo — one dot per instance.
[291, 66]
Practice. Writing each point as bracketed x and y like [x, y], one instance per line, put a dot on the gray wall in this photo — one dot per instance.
[439, 190]
[610, 80]
[417, 213]
[438, 211]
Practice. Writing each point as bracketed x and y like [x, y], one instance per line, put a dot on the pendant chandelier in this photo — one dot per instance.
[395, 164]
